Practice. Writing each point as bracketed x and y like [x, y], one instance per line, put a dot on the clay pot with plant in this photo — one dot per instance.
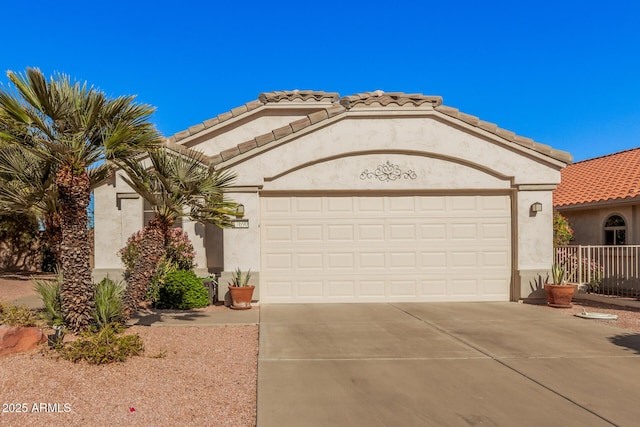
[240, 290]
[559, 293]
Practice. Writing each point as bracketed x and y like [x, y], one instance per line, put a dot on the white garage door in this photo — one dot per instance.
[385, 248]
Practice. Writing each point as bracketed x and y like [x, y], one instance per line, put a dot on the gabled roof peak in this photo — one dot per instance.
[380, 98]
[298, 95]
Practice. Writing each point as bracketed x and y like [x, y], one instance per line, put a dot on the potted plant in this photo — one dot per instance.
[559, 293]
[240, 290]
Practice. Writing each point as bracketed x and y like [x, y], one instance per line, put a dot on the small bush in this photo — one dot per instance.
[157, 281]
[107, 345]
[49, 291]
[182, 290]
[14, 315]
[109, 306]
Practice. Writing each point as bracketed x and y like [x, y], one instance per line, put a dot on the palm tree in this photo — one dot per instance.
[176, 185]
[83, 135]
[27, 187]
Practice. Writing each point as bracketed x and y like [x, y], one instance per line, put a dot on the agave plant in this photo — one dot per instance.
[558, 274]
[49, 291]
[109, 304]
[240, 280]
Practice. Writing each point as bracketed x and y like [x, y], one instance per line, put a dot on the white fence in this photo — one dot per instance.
[609, 270]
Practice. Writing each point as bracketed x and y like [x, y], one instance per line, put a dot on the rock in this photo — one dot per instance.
[17, 339]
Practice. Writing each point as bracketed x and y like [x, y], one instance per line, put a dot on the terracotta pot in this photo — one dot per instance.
[559, 296]
[241, 297]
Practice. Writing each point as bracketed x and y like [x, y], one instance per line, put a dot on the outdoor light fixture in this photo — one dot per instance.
[240, 222]
[239, 211]
[536, 207]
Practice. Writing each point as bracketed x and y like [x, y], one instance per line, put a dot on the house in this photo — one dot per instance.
[601, 199]
[365, 198]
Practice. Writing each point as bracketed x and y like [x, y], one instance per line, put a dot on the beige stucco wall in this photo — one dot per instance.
[588, 223]
[443, 159]
[333, 155]
[534, 243]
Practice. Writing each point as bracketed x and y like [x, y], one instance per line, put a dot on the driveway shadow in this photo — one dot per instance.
[630, 341]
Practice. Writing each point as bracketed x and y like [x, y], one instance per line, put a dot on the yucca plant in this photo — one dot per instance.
[109, 305]
[49, 291]
[240, 280]
[558, 274]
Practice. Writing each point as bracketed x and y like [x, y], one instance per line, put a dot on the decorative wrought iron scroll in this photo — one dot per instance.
[388, 172]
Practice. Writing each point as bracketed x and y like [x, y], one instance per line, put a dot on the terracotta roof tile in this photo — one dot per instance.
[298, 95]
[283, 131]
[380, 98]
[611, 177]
[264, 139]
[300, 124]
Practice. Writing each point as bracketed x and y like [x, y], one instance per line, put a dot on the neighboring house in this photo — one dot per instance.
[365, 198]
[601, 199]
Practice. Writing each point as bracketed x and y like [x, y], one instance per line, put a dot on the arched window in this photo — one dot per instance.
[615, 231]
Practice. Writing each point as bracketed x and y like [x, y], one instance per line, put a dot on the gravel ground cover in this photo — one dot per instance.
[188, 376]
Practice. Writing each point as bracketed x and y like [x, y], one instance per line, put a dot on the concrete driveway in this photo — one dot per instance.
[443, 364]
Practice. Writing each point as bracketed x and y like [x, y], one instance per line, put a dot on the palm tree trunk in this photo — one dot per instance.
[53, 235]
[152, 249]
[77, 287]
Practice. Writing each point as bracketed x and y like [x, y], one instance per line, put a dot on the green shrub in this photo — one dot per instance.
[182, 290]
[14, 315]
[106, 345]
[109, 306]
[157, 281]
[49, 291]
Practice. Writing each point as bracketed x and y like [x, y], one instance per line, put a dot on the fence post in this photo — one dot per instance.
[580, 264]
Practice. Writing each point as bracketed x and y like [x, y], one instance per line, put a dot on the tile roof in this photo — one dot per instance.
[264, 98]
[329, 107]
[612, 177]
[298, 95]
[382, 99]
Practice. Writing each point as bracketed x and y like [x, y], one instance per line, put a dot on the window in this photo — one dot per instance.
[615, 231]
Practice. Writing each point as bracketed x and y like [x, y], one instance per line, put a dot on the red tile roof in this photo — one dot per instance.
[611, 177]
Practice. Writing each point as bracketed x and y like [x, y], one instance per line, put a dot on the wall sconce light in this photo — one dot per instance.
[239, 211]
[536, 207]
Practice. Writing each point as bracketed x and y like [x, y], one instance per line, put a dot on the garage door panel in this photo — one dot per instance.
[401, 260]
[341, 261]
[372, 288]
[464, 231]
[371, 232]
[464, 287]
[341, 288]
[372, 260]
[433, 288]
[310, 289]
[402, 288]
[433, 232]
[275, 261]
[402, 232]
[340, 232]
[309, 233]
[409, 248]
[310, 261]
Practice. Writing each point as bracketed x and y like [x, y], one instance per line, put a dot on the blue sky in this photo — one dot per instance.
[562, 72]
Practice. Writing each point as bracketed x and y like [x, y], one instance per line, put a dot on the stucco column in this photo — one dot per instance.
[534, 242]
[196, 233]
